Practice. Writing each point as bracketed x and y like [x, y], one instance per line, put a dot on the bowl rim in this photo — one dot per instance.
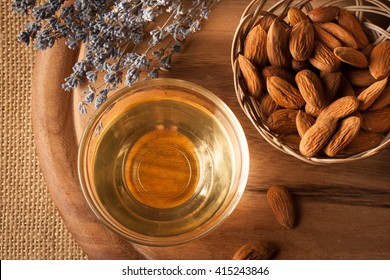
[207, 226]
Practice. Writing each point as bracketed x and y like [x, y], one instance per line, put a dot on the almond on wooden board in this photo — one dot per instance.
[383, 100]
[380, 60]
[368, 96]
[282, 205]
[351, 56]
[325, 37]
[251, 76]
[284, 93]
[340, 108]
[255, 46]
[347, 131]
[376, 121]
[362, 142]
[359, 77]
[301, 42]
[295, 15]
[282, 121]
[340, 34]
[267, 106]
[350, 23]
[324, 14]
[303, 122]
[323, 58]
[258, 251]
[311, 88]
[317, 136]
[277, 45]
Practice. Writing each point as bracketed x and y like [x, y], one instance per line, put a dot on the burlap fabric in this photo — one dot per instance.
[31, 227]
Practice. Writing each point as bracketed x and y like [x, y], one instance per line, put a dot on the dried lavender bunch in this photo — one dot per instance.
[122, 38]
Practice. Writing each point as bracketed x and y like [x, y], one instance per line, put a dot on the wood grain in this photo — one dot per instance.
[344, 210]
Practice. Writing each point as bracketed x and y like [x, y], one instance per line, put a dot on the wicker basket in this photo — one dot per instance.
[366, 11]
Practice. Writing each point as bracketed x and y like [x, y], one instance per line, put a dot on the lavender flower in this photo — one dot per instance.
[113, 32]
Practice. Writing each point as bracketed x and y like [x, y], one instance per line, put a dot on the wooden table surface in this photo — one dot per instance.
[344, 209]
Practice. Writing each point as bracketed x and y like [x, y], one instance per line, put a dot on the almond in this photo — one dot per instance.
[330, 83]
[310, 87]
[312, 110]
[347, 131]
[251, 76]
[303, 122]
[317, 136]
[362, 142]
[325, 37]
[283, 121]
[376, 121]
[255, 47]
[301, 42]
[277, 45]
[266, 21]
[261, 251]
[323, 58]
[359, 77]
[340, 34]
[281, 203]
[300, 65]
[290, 140]
[324, 14]
[267, 106]
[380, 60]
[383, 100]
[340, 108]
[351, 56]
[369, 95]
[350, 23]
[284, 93]
[368, 50]
[295, 15]
[270, 71]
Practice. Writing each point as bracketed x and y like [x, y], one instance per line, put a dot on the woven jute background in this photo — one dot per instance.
[30, 225]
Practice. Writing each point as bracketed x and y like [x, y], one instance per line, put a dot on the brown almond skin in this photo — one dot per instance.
[312, 111]
[330, 83]
[277, 45]
[351, 56]
[266, 21]
[323, 58]
[317, 136]
[301, 42]
[270, 71]
[251, 76]
[300, 65]
[383, 100]
[324, 14]
[340, 108]
[267, 106]
[376, 121]
[255, 47]
[284, 93]
[282, 205]
[311, 88]
[350, 23]
[368, 96]
[359, 77]
[325, 37]
[261, 251]
[362, 142]
[368, 50]
[303, 122]
[295, 15]
[380, 60]
[340, 33]
[290, 140]
[282, 121]
[347, 131]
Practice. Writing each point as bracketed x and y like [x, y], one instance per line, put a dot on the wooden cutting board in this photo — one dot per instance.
[344, 209]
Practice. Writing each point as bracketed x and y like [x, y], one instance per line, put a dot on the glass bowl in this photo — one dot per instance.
[163, 162]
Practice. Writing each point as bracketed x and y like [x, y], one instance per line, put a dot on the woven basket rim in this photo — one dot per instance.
[249, 105]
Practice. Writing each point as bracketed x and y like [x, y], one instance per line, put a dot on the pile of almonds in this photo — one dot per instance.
[322, 87]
